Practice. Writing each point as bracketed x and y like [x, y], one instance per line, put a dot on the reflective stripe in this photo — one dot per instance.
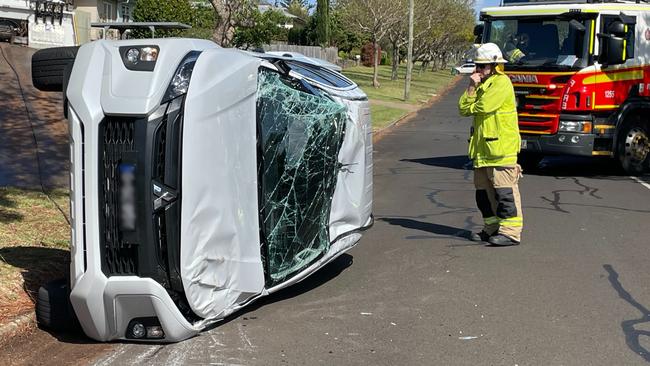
[516, 54]
[491, 220]
[591, 38]
[513, 221]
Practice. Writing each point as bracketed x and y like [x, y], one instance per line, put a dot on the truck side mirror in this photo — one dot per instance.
[617, 29]
[612, 50]
[478, 33]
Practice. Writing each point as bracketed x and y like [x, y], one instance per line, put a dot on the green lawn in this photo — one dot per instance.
[34, 244]
[382, 116]
[423, 87]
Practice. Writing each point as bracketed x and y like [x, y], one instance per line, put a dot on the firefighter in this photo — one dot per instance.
[517, 47]
[493, 146]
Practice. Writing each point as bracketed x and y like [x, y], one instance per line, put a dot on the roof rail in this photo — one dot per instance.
[152, 26]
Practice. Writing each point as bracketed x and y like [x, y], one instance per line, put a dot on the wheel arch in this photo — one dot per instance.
[631, 107]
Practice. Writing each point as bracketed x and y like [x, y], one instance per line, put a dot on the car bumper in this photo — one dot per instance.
[559, 144]
[106, 306]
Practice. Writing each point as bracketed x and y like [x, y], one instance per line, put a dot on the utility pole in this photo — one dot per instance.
[409, 57]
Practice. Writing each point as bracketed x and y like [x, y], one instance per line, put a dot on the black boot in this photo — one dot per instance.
[502, 240]
[480, 236]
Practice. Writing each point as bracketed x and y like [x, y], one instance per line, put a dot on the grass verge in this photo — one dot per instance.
[383, 116]
[34, 245]
[424, 86]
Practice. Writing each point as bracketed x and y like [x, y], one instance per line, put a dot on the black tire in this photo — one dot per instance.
[48, 67]
[53, 308]
[529, 161]
[633, 145]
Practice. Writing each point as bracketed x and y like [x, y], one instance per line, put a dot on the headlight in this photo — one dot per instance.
[575, 126]
[139, 58]
[181, 81]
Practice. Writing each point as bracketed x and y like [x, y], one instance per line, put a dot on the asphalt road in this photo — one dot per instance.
[33, 133]
[415, 292]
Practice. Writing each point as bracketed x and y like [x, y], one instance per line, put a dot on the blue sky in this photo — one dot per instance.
[480, 4]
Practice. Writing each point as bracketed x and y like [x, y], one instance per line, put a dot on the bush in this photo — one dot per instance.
[162, 11]
[385, 58]
[368, 53]
[202, 18]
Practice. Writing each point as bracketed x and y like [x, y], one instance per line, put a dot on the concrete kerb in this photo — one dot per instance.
[378, 134]
[17, 326]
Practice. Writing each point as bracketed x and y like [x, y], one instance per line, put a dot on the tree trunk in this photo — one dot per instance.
[424, 66]
[224, 30]
[409, 56]
[395, 66]
[375, 74]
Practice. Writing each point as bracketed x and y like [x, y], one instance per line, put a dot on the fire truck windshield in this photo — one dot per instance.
[553, 43]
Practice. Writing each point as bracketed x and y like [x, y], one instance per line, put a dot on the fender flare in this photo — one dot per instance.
[629, 106]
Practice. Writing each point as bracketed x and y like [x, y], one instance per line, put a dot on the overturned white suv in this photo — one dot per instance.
[202, 179]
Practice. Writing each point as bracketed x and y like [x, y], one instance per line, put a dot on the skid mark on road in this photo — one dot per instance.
[632, 335]
[556, 202]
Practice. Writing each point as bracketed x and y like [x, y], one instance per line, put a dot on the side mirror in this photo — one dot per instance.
[617, 29]
[612, 49]
[577, 25]
[478, 33]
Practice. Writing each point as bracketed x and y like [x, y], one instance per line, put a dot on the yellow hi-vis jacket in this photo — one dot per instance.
[495, 139]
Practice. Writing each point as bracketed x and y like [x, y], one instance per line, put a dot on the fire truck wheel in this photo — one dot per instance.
[529, 161]
[633, 146]
[48, 67]
[53, 308]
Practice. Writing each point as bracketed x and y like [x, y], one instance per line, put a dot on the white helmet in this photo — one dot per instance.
[489, 53]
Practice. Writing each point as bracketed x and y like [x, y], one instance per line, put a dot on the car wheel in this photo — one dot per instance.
[53, 308]
[633, 146]
[48, 67]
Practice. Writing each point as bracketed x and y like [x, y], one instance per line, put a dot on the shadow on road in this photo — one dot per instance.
[461, 162]
[322, 276]
[426, 227]
[576, 166]
[632, 335]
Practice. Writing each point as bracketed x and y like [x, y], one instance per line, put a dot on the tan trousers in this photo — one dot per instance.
[498, 199]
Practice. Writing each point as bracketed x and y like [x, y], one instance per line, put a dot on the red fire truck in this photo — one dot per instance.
[581, 72]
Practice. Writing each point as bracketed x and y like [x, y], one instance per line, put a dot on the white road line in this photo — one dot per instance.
[636, 179]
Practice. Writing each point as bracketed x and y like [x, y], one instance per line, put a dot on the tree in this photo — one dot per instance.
[231, 14]
[165, 11]
[442, 28]
[261, 29]
[341, 35]
[397, 37]
[373, 18]
[299, 8]
[323, 22]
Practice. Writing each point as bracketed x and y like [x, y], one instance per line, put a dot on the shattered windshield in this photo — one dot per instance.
[300, 135]
[549, 42]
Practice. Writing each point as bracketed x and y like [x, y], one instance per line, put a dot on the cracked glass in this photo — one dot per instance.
[299, 136]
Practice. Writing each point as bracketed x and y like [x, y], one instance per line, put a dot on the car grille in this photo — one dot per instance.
[120, 256]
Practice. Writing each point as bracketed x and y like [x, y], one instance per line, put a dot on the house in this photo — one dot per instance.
[264, 6]
[39, 24]
[93, 11]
